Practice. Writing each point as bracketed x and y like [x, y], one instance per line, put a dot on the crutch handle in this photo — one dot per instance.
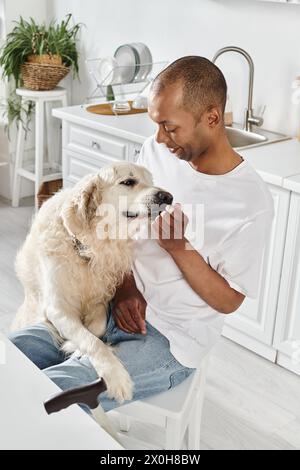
[86, 394]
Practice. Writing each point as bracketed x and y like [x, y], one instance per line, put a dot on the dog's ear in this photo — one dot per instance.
[78, 211]
[89, 198]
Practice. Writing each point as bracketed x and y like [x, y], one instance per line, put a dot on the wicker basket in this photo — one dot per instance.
[42, 76]
[47, 190]
[51, 59]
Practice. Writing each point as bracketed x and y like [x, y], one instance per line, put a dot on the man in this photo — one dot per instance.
[169, 313]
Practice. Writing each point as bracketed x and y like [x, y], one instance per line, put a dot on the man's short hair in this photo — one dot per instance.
[203, 83]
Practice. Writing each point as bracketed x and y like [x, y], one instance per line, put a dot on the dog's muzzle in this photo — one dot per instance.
[154, 205]
[158, 203]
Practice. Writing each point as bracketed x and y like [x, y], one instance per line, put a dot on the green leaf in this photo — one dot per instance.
[28, 37]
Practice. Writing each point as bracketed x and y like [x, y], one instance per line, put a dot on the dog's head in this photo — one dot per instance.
[117, 198]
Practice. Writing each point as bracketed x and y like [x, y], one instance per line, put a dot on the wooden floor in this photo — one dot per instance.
[250, 402]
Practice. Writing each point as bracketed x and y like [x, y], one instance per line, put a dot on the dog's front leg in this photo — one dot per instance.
[96, 320]
[107, 365]
[62, 309]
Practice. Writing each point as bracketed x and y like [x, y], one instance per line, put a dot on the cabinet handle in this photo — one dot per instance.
[95, 145]
[136, 154]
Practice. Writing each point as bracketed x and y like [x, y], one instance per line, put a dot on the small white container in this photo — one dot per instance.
[140, 102]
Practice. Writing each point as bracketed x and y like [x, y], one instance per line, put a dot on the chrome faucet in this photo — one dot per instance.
[249, 117]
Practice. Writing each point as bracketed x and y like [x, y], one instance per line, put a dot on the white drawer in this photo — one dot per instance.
[75, 165]
[67, 184]
[93, 143]
[134, 152]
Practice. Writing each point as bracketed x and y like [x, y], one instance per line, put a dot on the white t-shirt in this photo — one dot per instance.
[238, 213]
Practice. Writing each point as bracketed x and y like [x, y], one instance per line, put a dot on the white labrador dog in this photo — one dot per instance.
[76, 254]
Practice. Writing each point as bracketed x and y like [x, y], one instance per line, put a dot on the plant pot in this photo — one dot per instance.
[42, 77]
[45, 59]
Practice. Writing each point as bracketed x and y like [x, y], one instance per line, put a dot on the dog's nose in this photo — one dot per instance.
[163, 197]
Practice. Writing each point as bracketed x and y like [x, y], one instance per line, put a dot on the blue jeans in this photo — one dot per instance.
[147, 358]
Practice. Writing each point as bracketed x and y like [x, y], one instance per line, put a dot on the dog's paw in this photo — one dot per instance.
[118, 382]
[68, 347]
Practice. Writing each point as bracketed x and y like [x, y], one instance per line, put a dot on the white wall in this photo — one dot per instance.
[26, 8]
[172, 28]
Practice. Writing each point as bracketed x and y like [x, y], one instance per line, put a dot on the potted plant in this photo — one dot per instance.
[37, 57]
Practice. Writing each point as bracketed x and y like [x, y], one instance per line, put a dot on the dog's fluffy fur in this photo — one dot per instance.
[64, 289]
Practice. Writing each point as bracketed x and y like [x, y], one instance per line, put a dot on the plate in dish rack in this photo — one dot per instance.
[145, 60]
[127, 58]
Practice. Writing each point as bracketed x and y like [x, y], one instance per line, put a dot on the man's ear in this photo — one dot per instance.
[78, 211]
[213, 116]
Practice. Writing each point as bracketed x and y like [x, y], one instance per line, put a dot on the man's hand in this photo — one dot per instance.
[169, 227]
[129, 307]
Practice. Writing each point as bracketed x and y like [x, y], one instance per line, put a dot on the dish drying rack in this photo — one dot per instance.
[122, 90]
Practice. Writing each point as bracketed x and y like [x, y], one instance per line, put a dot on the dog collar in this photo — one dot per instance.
[80, 248]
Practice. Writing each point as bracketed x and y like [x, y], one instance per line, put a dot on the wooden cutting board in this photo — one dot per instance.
[105, 108]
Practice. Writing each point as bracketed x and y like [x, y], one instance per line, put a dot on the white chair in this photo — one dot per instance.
[40, 98]
[178, 411]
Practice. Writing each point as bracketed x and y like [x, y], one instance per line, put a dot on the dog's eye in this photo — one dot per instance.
[129, 182]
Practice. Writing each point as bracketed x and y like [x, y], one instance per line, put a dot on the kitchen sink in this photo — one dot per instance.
[239, 138]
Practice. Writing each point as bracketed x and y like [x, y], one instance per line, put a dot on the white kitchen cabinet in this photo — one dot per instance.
[134, 151]
[76, 165]
[95, 144]
[287, 332]
[253, 324]
[86, 151]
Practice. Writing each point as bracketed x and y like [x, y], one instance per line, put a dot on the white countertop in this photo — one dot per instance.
[275, 162]
[292, 183]
[24, 423]
[134, 127]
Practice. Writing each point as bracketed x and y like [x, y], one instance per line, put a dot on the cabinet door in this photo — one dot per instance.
[134, 152]
[287, 331]
[253, 324]
[95, 144]
[76, 166]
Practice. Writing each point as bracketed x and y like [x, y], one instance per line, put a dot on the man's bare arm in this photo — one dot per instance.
[203, 279]
[206, 282]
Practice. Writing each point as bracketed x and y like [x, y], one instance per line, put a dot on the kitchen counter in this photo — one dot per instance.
[134, 127]
[275, 162]
[292, 183]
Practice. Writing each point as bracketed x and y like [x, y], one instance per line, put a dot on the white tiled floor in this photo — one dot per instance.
[14, 225]
[250, 403]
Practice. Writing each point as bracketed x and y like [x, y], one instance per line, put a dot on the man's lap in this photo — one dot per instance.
[147, 358]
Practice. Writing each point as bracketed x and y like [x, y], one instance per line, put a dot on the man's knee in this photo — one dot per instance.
[37, 344]
[36, 333]
[73, 372]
